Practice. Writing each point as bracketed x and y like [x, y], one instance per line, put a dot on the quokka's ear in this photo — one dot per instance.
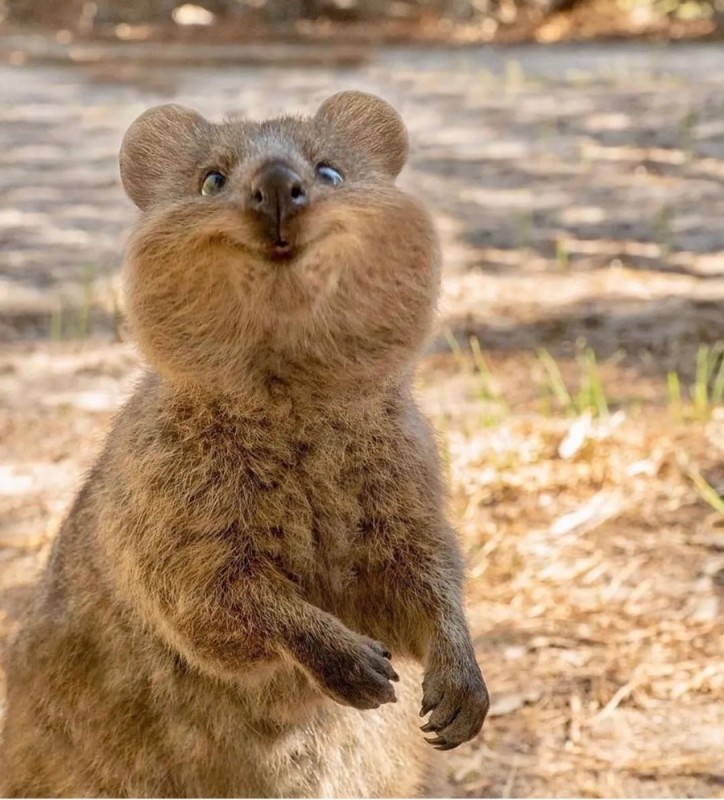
[160, 150]
[368, 123]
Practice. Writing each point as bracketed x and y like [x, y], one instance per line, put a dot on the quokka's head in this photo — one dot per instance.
[277, 248]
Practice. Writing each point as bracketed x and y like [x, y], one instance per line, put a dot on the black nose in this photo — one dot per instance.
[277, 192]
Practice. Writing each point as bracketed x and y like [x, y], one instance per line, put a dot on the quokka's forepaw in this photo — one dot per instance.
[359, 674]
[459, 702]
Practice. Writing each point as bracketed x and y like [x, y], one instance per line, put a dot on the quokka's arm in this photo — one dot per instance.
[224, 609]
[428, 582]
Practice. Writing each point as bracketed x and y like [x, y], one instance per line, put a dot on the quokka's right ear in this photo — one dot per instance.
[160, 150]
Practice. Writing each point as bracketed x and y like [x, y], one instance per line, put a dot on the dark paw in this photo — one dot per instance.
[359, 674]
[459, 702]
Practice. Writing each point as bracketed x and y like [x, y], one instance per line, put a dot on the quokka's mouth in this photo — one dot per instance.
[281, 250]
[274, 250]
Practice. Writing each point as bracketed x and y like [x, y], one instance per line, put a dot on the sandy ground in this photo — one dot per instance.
[579, 193]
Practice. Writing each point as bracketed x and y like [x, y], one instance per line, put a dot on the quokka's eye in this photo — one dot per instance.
[329, 174]
[213, 183]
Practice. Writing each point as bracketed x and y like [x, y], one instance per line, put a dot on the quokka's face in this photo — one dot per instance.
[281, 245]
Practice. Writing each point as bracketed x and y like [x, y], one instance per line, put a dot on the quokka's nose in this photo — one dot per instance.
[277, 192]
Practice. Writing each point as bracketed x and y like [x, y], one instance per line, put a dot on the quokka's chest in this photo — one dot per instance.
[305, 504]
[321, 507]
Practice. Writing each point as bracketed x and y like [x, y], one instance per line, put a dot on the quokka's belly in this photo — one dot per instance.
[285, 739]
[339, 751]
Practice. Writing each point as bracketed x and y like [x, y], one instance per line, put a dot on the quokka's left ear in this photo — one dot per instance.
[369, 123]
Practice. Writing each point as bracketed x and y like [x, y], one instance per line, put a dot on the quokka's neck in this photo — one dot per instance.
[277, 400]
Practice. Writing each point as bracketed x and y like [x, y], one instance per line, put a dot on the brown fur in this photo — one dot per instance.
[268, 506]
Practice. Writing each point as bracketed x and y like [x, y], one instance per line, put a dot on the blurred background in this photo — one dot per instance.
[572, 152]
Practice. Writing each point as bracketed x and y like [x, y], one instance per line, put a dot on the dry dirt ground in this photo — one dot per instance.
[580, 195]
